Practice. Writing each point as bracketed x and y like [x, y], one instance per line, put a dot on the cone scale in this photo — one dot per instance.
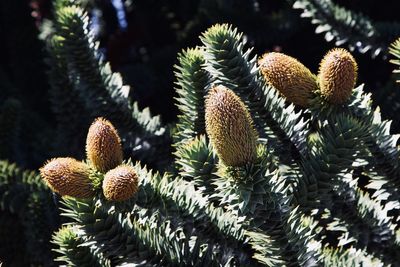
[120, 183]
[103, 145]
[68, 177]
[290, 77]
[230, 127]
[337, 75]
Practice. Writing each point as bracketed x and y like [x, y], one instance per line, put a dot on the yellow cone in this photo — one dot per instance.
[103, 145]
[337, 75]
[120, 184]
[230, 127]
[68, 177]
[290, 77]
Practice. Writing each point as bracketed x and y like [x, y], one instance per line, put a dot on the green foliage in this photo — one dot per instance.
[323, 189]
[68, 108]
[23, 194]
[72, 246]
[350, 257]
[84, 86]
[348, 27]
[192, 81]
[395, 51]
[297, 204]
[228, 63]
[139, 234]
[388, 96]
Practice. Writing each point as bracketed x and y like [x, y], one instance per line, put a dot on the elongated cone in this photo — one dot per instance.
[230, 127]
[68, 177]
[337, 75]
[120, 184]
[103, 145]
[289, 76]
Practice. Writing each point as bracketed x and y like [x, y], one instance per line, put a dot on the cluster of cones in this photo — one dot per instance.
[70, 177]
[335, 80]
[228, 122]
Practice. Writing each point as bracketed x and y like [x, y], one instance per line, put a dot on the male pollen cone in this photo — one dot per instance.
[289, 76]
[120, 184]
[337, 75]
[103, 145]
[68, 177]
[230, 127]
